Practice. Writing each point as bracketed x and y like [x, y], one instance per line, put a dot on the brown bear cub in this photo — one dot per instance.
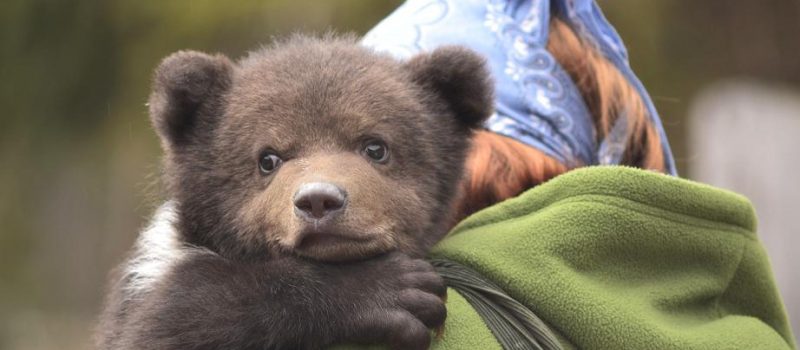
[308, 179]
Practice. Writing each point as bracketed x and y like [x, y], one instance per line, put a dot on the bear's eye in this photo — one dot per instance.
[376, 150]
[269, 163]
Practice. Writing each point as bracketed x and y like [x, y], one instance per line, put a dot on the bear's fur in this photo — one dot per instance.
[247, 269]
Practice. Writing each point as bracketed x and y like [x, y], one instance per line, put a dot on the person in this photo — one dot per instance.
[597, 257]
[566, 95]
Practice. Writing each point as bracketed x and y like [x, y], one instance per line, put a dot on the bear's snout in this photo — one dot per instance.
[319, 201]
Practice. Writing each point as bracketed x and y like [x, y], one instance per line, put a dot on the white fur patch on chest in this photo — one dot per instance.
[158, 248]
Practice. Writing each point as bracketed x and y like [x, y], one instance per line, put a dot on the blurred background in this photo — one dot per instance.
[79, 161]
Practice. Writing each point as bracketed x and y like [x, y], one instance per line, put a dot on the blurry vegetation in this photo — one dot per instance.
[78, 157]
[678, 47]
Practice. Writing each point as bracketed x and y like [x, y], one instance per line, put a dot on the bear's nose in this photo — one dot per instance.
[318, 200]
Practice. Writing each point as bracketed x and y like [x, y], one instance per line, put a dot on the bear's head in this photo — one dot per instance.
[317, 146]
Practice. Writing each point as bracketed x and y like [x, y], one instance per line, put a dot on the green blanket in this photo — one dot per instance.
[619, 258]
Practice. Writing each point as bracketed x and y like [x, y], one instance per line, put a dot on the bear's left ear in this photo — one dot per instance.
[460, 78]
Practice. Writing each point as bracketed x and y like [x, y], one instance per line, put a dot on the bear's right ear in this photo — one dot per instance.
[187, 91]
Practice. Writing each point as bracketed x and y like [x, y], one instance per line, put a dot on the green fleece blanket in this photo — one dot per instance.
[619, 258]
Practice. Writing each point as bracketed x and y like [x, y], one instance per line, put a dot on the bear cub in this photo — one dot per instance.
[306, 182]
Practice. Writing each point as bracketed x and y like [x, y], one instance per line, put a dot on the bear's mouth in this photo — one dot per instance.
[315, 238]
[335, 246]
